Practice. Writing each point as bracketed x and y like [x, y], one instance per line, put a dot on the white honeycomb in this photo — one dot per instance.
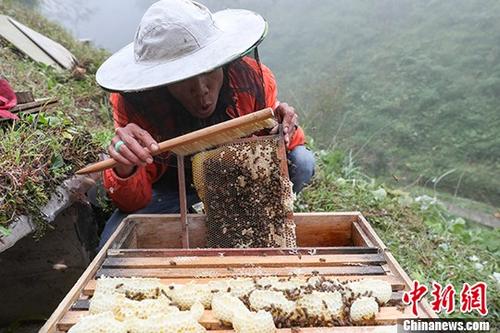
[363, 308]
[123, 308]
[324, 305]
[313, 280]
[99, 323]
[216, 286]
[225, 305]
[185, 295]
[181, 322]
[241, 286]
[280, 284]
[261, 299]
[101, 302]
[132, 287]
[253, 322]
[379, 289]
[143, 309]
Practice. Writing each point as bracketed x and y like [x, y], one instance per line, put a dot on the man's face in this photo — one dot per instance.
[199, 94]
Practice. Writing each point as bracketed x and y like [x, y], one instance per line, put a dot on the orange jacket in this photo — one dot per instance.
[134, 192]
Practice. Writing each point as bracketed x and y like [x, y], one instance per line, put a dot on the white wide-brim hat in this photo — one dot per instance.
[179, 39]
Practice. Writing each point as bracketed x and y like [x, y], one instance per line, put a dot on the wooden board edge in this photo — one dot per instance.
[370, 232]
[399, 271]
[50, 325]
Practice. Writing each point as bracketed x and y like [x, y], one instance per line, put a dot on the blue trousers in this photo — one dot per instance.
[301, 165]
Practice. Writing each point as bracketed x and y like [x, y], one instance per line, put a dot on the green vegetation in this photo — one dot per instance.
[42, 150]
[411, 87]
[430, 244]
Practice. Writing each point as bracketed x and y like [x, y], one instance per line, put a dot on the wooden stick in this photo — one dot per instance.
[204, 134]
[183, 201]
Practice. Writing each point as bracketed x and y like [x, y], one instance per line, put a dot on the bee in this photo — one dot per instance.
[322, 260]
[118, 286]
[173, 263]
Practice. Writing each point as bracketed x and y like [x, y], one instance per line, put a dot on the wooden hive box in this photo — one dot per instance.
[340, 245]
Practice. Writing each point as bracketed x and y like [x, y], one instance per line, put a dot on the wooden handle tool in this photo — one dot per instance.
[204, 138]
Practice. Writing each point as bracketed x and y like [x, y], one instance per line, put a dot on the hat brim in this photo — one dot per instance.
[242, 30]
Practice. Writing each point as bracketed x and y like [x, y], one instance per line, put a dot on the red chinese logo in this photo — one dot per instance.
[474, 298]
[414, 295]
[443, 298]
[471, 297]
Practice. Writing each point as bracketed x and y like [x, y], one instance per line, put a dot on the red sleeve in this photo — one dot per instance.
[132, 193]
[271, 90]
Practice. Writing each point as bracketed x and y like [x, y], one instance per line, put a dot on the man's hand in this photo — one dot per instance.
[286, 116]
[135, 150]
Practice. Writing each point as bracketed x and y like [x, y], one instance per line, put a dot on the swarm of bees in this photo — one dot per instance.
[247, 197]
[249, 305]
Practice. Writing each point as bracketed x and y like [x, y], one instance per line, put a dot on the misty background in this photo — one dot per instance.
[410, 89]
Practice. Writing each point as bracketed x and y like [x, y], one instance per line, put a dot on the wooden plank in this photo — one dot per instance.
[393, 265]
[81, 305]
[74, 293]
[210, 252]
[324, 229]
[386, 315]
[247, 271]
[359, 237]
[246, 261]
[154, 231]
[125, 233]
[313, 230]
[370, 233]
[398, 271]
[397, 284]
[38, 103]
[183, 201]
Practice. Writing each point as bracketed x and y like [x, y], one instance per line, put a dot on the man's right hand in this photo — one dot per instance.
[136, 150]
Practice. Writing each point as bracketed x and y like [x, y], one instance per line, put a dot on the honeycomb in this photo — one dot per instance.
[180, 322]
[185, 295]
[99, 323]
[379, 289]
[225, 306]
[216, 286]
[240, 287]
[144, 309]
[253, 322]
[363, 308]
[267, 299]
[322, 305]
[123, 307]
[133, 288]
[278, 302]
[280, 284]
[246, 193]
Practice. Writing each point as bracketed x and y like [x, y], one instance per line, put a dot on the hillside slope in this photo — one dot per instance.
[412, 87]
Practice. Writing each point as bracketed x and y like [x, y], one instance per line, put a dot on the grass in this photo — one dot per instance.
[429, 243]
[40, 151]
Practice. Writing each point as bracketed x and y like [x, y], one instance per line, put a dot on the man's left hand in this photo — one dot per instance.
[286, 116]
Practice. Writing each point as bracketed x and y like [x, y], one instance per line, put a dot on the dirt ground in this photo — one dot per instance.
[36, 275]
